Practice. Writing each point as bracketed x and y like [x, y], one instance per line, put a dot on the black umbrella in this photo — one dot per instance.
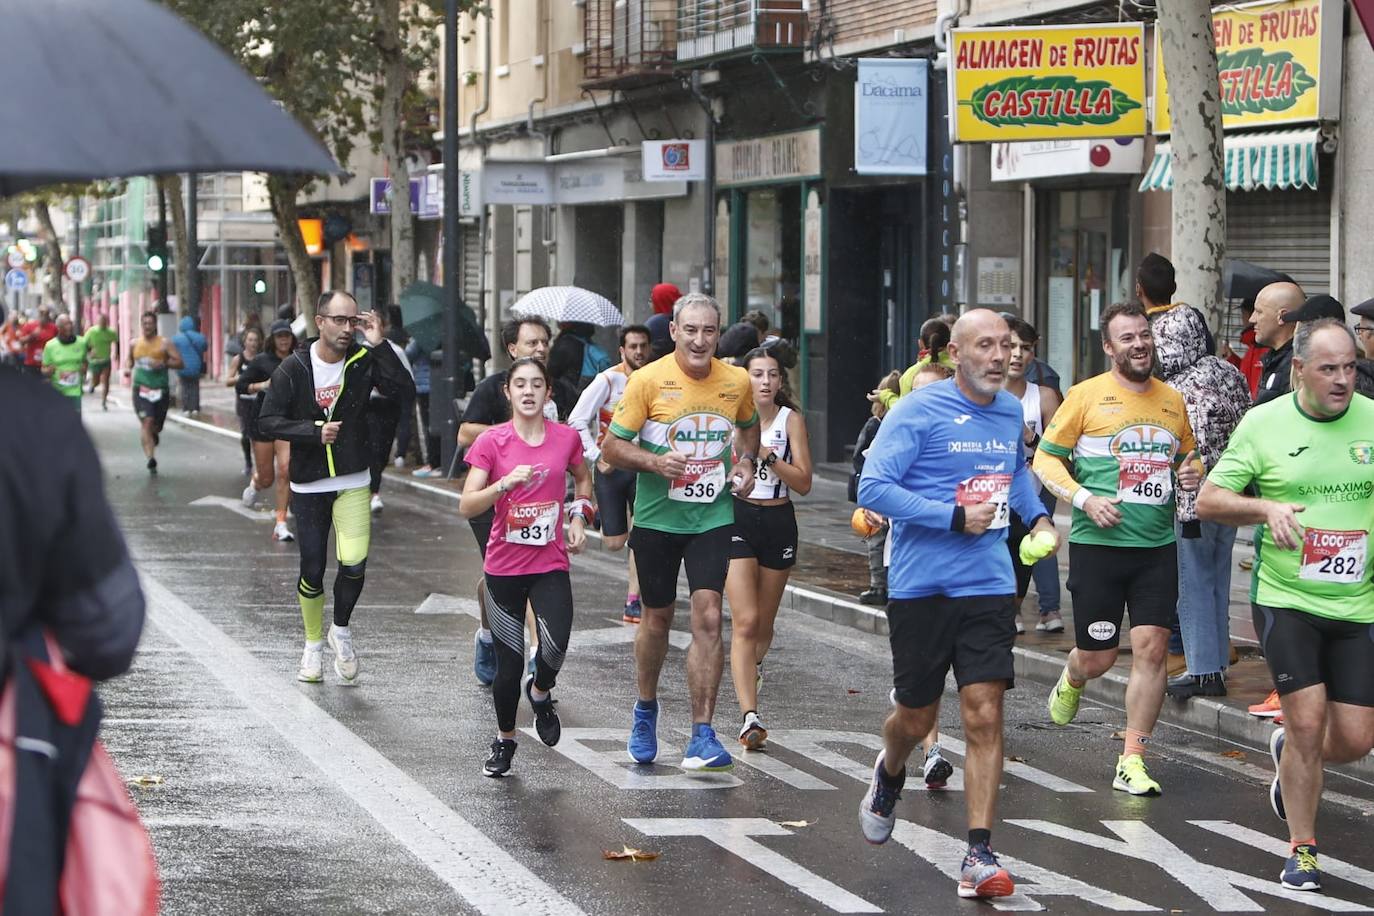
[1243, 280]
[103, 89]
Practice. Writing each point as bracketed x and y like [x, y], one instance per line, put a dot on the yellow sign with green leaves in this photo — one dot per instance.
[1048, 82]
[1269, 59]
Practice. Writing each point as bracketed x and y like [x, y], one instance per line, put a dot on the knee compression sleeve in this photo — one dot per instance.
[348, 588]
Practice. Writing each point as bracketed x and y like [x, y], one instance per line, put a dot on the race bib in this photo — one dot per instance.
[1333, 556]
[987, 488]
[531, 524]
[151, 395]
[69, 379]
[1145, 482]
[701, 482]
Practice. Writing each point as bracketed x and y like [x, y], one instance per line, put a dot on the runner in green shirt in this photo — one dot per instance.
[64, 360]
[1310, 454]
[100, 342]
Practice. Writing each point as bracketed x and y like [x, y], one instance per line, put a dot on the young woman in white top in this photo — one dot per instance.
[764, 545]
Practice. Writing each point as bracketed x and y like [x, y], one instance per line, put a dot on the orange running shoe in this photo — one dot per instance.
[1269, 708]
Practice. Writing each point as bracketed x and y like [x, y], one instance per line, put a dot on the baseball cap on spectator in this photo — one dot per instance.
[281, 327]
[663, 296]
[1321, 306]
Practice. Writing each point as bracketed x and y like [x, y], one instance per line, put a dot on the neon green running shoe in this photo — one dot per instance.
[1064, 699]
[1131, 777]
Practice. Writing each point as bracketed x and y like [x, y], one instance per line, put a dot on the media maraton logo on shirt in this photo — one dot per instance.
[1362, 452]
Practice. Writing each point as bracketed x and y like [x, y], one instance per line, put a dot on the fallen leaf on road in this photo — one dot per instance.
[146, 781]
[1015, 759]
[852, 690]
[626, 852]
[1118, 736]
[1234, 755]
[795, 823]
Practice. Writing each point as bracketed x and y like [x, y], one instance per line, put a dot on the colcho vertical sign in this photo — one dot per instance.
[1271, 58]
[890, 100]
[1048, 82]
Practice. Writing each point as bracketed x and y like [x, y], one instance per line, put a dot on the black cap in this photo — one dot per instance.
[1365, 309]
[281, 327]
[1322, 306]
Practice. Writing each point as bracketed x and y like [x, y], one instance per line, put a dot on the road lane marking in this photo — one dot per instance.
[235, 506]
[1220, 888]
[1210, 761]
[1023, 771]
[615, 767]
[946, 854]
[618, 635]
[1250, 837]
[736, 835]
[484, 875]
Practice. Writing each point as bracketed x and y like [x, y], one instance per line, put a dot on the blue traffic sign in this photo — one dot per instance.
[16, 279]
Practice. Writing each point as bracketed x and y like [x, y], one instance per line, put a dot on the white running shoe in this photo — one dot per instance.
[376, 502]
[282, 533]
[345, 660]
[312, 664]
[399, 462]
[250, 496]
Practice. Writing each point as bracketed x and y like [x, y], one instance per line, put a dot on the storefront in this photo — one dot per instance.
[1280, 67]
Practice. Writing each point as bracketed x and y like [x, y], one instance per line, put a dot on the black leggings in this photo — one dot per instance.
[347, 512]
[550, 594]
[382, 416]
[245, 412]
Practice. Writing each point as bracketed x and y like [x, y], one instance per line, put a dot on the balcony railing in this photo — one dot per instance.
[629, 41]
[716, 28]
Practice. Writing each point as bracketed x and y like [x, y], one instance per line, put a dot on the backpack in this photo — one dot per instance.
[82, 850]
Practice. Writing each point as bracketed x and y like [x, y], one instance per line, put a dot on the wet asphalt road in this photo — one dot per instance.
[272, 796]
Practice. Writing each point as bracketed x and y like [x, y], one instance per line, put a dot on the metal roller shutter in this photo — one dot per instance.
[1283, 230]
[472, 264]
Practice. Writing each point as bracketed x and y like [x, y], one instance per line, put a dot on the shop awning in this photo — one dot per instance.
[1273, 160]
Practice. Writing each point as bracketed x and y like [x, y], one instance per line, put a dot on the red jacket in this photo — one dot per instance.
[1249, 364]
[42, 333]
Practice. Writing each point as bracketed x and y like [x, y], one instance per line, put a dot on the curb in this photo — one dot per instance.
[1206, 717]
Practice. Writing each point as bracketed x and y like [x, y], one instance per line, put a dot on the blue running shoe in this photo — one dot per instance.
[1300, 872]
[1275, 793]
[981, 875]
[483, 660]
[643, 746]
[875, 811]
[704, 753]
[634, 610]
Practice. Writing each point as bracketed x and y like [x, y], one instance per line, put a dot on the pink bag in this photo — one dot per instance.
[109, 868]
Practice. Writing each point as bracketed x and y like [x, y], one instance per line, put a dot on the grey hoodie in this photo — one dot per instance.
[1214, 391]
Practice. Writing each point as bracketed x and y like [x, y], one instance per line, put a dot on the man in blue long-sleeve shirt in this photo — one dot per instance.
[946, 467]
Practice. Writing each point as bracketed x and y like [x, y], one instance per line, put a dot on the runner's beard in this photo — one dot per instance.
[1123, 364]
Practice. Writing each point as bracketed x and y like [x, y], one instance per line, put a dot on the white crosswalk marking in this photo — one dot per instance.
[615, 767]
[736, 834]
[1330, 865]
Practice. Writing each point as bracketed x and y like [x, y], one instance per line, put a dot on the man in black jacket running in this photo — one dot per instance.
[317, 401]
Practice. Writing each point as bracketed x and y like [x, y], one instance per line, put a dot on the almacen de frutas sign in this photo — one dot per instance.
[1048, 82]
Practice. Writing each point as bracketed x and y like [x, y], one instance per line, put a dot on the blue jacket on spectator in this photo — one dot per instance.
[191, 344]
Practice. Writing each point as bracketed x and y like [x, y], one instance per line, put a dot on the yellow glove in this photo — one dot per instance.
[1035, 547]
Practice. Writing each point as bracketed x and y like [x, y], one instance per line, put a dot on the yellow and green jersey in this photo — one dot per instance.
[1326, 465]
[669, 410]
[1122, 444]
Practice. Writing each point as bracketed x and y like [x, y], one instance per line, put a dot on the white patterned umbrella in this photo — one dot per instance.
[568, 303]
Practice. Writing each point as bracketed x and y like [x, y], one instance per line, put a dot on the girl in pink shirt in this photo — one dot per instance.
[521, 468]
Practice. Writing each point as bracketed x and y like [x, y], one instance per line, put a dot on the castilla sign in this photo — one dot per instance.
[1270, 57]
[1047, 82]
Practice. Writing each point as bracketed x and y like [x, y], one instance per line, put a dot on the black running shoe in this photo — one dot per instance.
[502, 753]
[152, 465]
[545, 716]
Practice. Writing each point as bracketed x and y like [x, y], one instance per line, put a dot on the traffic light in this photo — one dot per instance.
[157, 248]
[260, 286]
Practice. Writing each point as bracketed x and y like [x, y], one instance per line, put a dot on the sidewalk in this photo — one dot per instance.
[834, 569]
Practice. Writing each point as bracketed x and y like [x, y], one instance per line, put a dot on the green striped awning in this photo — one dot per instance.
[1272, 160]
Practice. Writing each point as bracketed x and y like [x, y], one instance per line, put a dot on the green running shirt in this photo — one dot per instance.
[100, 341]
[1327, 466]
[68, 362]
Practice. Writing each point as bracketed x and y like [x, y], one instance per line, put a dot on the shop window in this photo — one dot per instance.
[772, 257]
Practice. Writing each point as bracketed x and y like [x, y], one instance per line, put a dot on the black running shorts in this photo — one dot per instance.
[1107, 581]
[659, 555]
[765, 533]
[615, 498]
[930, 635]
[481, 529]
[156, 411]
[1304, 650]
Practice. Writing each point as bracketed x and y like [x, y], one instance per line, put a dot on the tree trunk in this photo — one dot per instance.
[52, 245]
[1189, 54]
[394, 80]
[282, 191]
[181, 251]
